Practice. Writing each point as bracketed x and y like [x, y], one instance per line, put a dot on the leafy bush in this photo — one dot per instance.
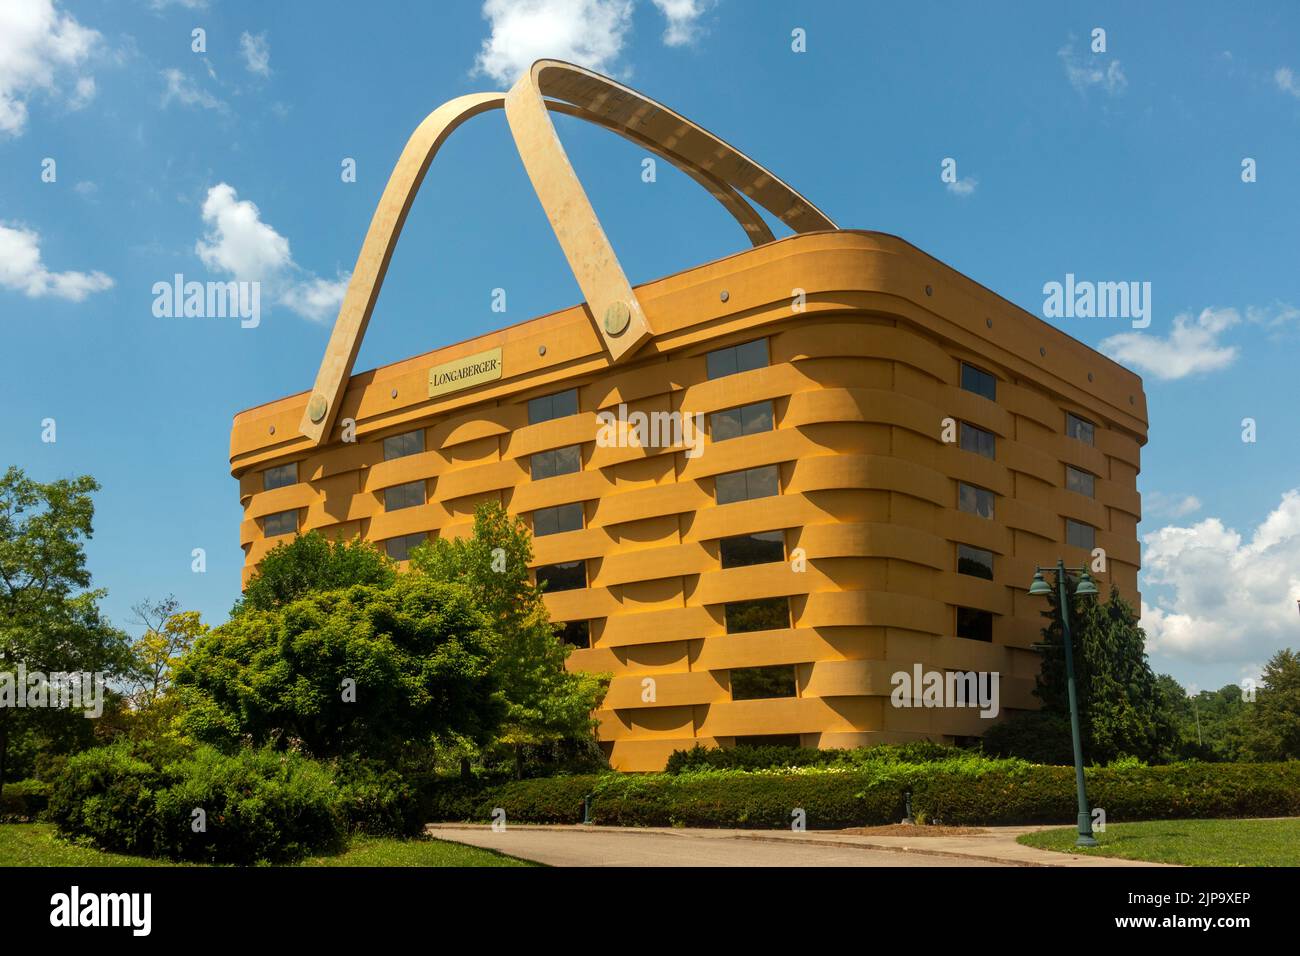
[379, 801]
[23, 801]
[257, 804]
[1038, 736]
[542, 800]
[761, 758]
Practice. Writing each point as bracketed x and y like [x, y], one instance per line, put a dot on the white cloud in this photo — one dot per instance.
[181, 89]
[1092, 71]
[22, 270]
[1287, 81]
[1192, 346]
[589, 33]
[187, 4]
[256, 51]
[1228, 599]
[683, 19]
[83, 93]
[38, 45]
[1165, 505]
[238, 243]
[963, 187]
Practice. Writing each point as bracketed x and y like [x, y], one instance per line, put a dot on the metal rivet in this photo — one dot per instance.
[272, 429]
[1132, 400]
[541, 350]
[394, 393]
[929, 291]
[1042, 351]
[317, 408]
[617, 317]
[989, 323]
[1090, 376]
[724, 295]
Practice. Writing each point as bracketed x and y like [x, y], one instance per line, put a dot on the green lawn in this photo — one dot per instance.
[37, 844]
[1187, 842]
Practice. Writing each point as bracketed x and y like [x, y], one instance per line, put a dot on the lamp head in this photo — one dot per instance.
[1086, 585]
[1039, 587]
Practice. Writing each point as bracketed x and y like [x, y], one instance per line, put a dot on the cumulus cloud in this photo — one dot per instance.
[1225, 598]
[1287, 81]
[589, 33]
[962, 187]
[1092, 71]
[22, 270]
[1159, 504]
[183, 90]
[39, 46]
[1192, 346]
[238, 243]
[683, 18]
[256, 51]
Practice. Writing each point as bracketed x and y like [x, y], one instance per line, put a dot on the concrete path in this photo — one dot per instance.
[625, 846]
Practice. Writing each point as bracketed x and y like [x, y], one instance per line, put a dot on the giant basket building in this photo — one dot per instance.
[888, 450]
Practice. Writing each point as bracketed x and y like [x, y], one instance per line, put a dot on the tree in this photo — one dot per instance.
[1121, 710]
[311, 564]
[545, 702]
[365, 672]
[1271, 726]
[50, 622]
[169, 634]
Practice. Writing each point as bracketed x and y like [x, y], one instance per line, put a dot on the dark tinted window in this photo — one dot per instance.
[282, 522]
[974, 625]
[280, 476]
[408, 443]
[564, 576]
[764, 614]
[1080, 535]
[737, 358]
[974, 561]
[554, 520]
[399, 549]
[978, 440]
[974, 500]
[978, 381]
[756, 683]
[1076, 427]
[1080, 481]
[557, 461]
[764, 547]
[745, 420]
[558, 405]
[761, 482]
[577, 633]
[408, 495]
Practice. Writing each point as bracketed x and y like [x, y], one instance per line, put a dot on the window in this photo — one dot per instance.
[1081, 481]
[757, 683]
[554, 520]
[979, 381]
[762, 482]
[399, 549]
[408, 495]
[975, 501]
[974, 625]
[976, 562]
[1080, 535]
[764, 614]
[577, 633]
[1076, 427]
[745, 420]
[770, 740]
[282, 522]
[557, 461]
[565, 576]
[737, 358]
[764, 547]
[547, 407]
[978, 440]
[407, 443]
[280, 476]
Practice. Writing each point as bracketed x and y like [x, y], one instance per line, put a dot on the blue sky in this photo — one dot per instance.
[1122, 165]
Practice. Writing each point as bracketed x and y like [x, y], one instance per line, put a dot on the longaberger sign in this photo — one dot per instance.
[465, 372]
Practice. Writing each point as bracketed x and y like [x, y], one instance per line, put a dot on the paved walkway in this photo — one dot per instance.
[651, 846]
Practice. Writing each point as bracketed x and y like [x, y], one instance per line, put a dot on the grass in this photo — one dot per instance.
[38, 844]
[1187, 842]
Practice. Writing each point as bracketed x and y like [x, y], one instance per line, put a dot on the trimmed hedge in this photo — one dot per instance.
[775, 757]
[961, 791]
[24, 801]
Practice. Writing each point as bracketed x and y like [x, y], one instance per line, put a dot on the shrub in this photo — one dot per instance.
[542, 800]
[763, 758]
[23, 801]
[106, 796]
[379, 801]
[1038, 736]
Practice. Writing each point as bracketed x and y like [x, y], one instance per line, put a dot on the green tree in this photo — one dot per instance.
[545, 702]
[49, 619]
[1208, 725]
[1121, 707]
[365, 672]
[311, 564]
[1271, 725]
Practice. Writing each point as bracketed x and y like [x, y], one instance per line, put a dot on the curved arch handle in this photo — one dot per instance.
[720, 168]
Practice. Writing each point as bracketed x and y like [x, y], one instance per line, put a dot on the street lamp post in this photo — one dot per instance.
[1040, 587]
